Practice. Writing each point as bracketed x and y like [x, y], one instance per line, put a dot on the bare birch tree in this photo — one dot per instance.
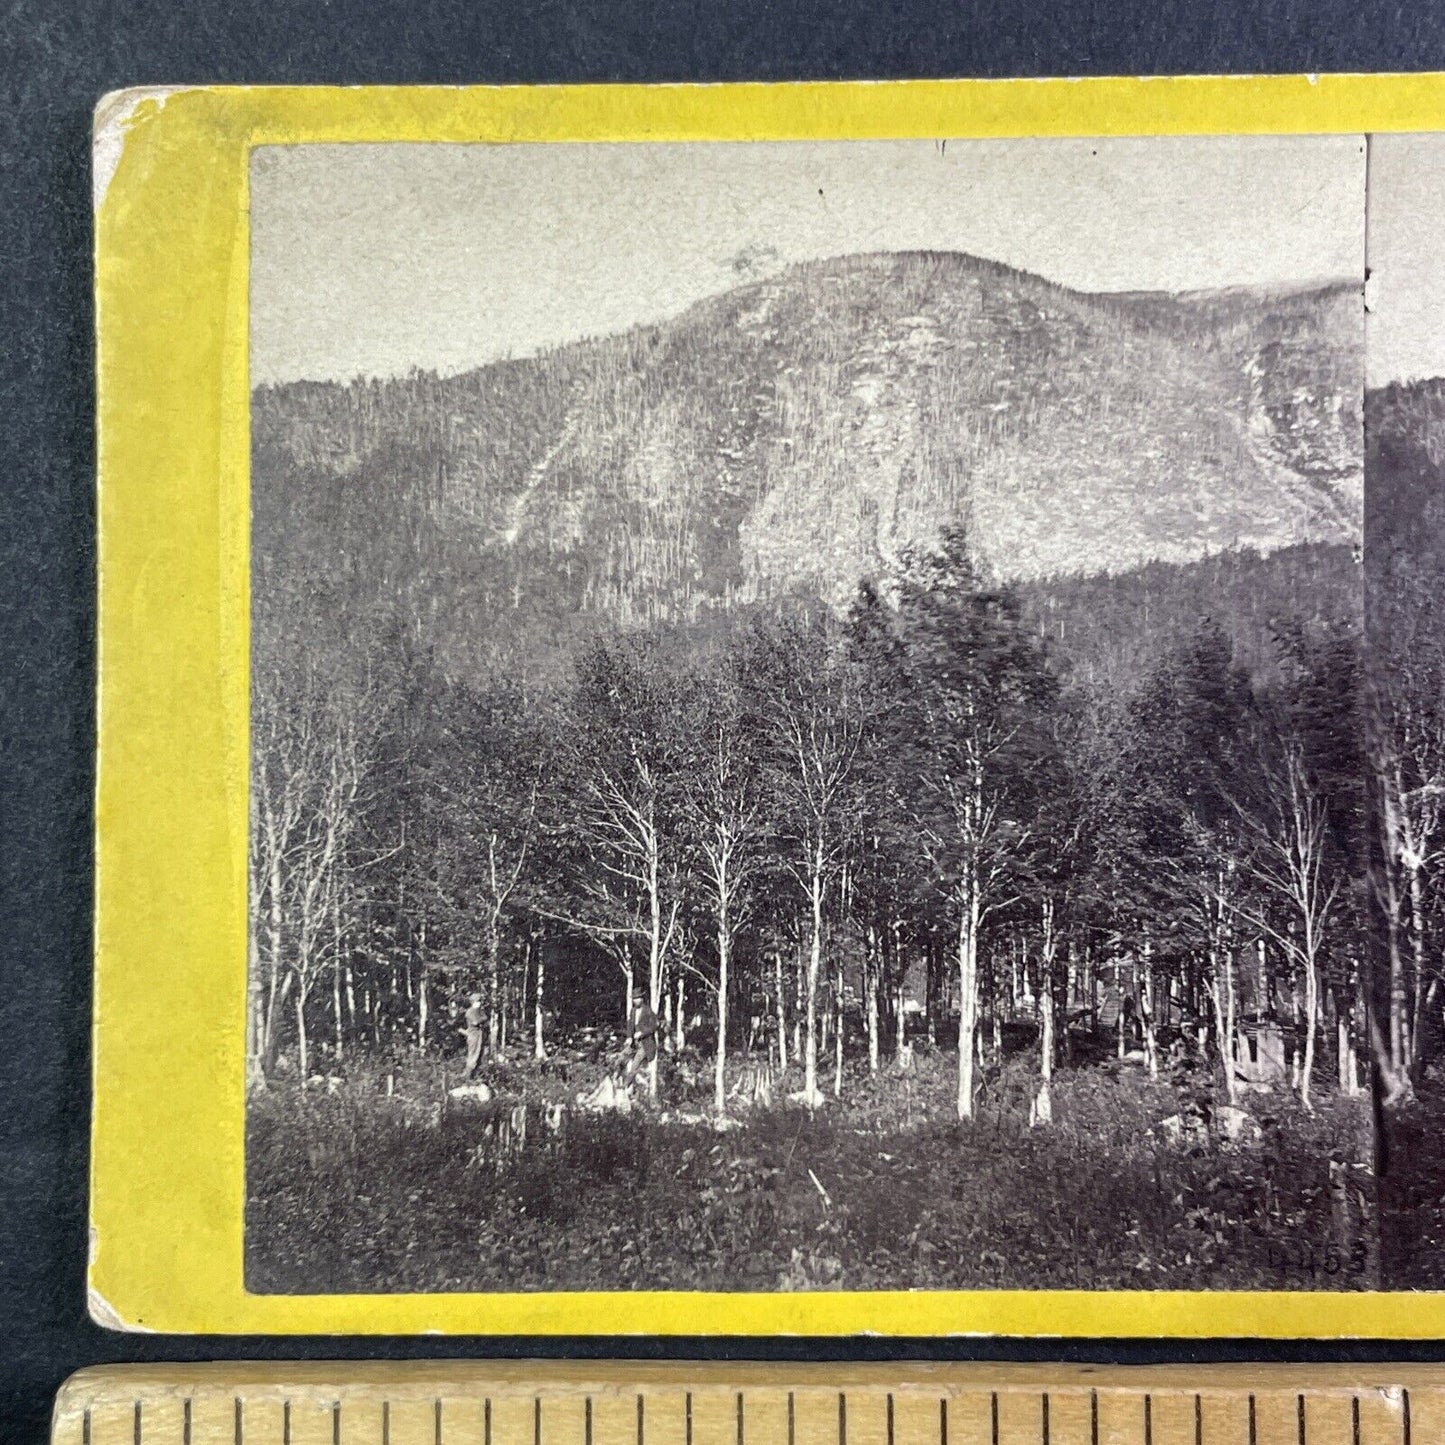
[1408, 765]
[304, 800]
[485, 785]
[1290, 863]
[618, 797]
[811, 718]
[983, 695]
[723, 802]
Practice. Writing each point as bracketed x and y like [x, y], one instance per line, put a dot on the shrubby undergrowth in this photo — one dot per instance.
[409, 1192]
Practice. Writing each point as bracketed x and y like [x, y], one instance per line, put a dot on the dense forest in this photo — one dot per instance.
[809, 809]
[1051, 881]
[1405, 542]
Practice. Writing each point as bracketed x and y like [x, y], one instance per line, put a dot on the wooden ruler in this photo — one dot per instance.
[582, 1403]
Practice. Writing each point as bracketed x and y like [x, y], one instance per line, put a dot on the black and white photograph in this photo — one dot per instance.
[809, 719]
[1405, 630]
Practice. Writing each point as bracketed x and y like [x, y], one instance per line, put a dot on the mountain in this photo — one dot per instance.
[796, 433]
[1405, 462]
[1405, 532]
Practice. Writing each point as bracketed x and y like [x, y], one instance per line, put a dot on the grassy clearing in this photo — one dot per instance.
[361, 1190]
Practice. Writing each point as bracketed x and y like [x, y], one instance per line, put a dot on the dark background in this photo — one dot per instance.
[56, 59]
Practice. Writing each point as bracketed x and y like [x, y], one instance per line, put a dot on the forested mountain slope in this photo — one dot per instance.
[795, 434]
[1405, 515]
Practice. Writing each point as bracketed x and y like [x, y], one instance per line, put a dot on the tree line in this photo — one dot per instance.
[805, 827]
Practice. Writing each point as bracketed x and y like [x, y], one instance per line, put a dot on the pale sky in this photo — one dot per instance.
[1405, 327]
[374, 259]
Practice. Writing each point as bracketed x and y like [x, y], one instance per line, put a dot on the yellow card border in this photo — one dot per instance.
[167, 1190]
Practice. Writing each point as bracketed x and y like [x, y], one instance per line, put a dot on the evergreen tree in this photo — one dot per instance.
[982, 695]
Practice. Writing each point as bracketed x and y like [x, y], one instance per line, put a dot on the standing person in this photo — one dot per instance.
[476, 1033]
[643, 1040]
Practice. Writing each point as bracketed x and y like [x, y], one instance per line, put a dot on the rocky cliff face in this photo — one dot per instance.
[797, 432]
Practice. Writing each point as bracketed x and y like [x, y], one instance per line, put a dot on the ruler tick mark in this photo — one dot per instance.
[145, 1426]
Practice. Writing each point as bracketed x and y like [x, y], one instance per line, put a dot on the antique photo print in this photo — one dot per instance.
[808, 719]
[1405, 632]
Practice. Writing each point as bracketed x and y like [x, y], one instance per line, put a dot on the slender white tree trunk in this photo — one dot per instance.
[871, 988]
[1043, 1110]
[1349, 1084]
[782, 1008]
[1419, 965]
[303, 1055]
[336, 972]
[815, 960]
[800, 993]
[494, 984]
[967, 999]
[1312, 1012]
[1146, 997]
[655, 959]
[719, 1080]
[254, 1014]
